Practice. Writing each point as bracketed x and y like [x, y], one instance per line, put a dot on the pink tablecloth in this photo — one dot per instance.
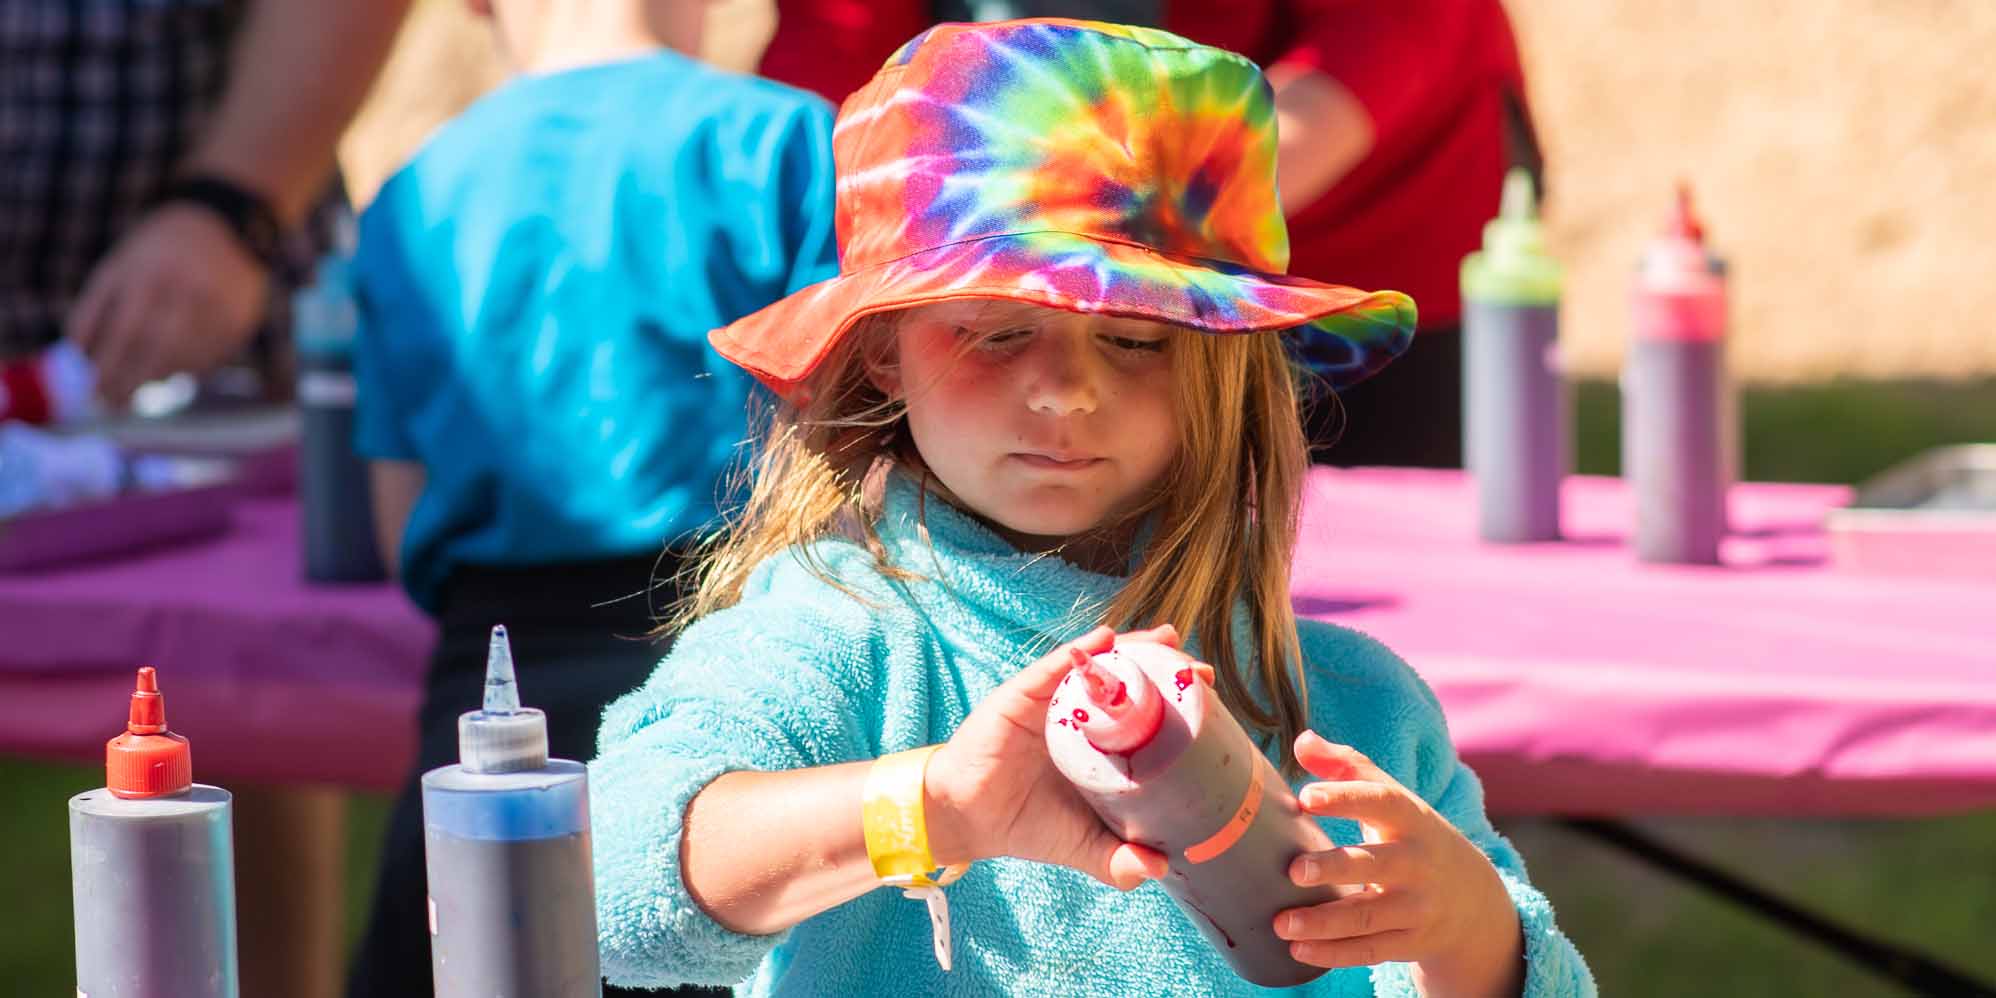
[270, 678]
[1574, 679]
[1577, 680]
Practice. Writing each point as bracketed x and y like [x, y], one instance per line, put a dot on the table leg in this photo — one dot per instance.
[1918, 972]
[290, 861]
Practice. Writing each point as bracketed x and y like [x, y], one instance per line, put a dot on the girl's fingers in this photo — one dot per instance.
[1359, 915]
[1204, 672]
[1131, 864]
[1365, 951]
[1385, 806]
[1377, 863]
[1095, 642]
[1332, 761]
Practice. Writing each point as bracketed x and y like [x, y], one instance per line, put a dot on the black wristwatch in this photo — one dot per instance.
[246, 213]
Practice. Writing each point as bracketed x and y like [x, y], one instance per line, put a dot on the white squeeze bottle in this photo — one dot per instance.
[152, 868]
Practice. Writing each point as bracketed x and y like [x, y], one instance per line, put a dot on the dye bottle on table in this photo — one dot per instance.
[152, 868]
[1517, 444]
[1680, 437]
[337, 518]
[506, 843]
[1165, 765]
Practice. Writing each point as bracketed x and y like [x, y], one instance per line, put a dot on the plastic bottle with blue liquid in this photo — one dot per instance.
[338, 527]
[506, 840]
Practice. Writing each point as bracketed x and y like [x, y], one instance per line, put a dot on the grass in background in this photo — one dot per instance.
[1923, 883]
[1920, 884]
[1840, 432]
[35, 951]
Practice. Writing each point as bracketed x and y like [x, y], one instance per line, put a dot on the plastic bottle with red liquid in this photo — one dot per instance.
[152, 868]
[1165, 765]
[1680, 414]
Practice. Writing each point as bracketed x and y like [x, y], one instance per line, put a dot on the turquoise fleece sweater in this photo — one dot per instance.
[800, 674]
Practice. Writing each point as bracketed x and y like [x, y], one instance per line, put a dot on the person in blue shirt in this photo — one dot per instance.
[547, 426]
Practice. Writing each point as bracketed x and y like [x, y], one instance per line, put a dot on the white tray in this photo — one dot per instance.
[1933, 516]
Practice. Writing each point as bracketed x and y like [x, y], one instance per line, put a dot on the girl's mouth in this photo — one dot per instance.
[1054, 462]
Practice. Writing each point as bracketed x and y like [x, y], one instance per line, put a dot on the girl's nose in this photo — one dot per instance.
[1061, 379]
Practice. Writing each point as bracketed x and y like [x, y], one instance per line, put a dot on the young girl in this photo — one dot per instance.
[1050, 395]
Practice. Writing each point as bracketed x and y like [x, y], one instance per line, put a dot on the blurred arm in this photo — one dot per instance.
[1323, 131]
[394, 486]
[300, 70]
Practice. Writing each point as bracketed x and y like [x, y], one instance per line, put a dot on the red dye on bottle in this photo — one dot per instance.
[1184, 778]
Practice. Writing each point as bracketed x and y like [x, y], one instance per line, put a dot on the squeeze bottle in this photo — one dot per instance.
[506, 849]
[337, 515]
[1516, 436]
[1165, 765]
[152, 868]
[1680, 436]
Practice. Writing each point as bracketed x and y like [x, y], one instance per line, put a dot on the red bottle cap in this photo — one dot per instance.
[147, 760]
[1118, 718]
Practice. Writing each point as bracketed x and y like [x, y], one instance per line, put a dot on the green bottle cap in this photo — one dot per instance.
[1513, 267]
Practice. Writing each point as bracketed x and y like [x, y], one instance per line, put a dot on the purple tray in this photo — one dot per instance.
[1933, 516]
[121, 525]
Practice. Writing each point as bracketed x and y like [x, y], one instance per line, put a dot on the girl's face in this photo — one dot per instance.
[1046, 423]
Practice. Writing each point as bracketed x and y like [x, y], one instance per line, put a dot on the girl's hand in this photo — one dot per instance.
[993, 791]
[1431, 897]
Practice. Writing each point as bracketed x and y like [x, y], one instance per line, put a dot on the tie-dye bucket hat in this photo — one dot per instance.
[1082, 166]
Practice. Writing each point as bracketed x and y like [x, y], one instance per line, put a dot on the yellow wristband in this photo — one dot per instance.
[897, 831]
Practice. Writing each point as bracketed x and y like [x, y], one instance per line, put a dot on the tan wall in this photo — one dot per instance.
[1844, 153]
[1844, 150]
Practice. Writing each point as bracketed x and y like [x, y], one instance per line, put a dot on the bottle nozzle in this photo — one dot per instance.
[1112, 695]
[147, 760]
[503, 737]
[502, 692]
[147, 714]
[1684, 218]
[1520, 201]
[1513, 267]
[1123, 708]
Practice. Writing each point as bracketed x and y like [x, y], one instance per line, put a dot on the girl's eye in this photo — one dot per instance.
[998, 338]
[1136, 345]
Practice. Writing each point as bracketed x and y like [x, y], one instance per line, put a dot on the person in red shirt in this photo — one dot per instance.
[1398, 120]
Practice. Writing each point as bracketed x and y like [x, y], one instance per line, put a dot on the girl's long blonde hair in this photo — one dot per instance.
[1224, 517]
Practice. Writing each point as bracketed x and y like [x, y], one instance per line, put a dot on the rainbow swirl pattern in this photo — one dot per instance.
[1083, 166]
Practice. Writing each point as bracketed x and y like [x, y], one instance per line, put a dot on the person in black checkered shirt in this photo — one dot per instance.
[156, 157]
[161, 163]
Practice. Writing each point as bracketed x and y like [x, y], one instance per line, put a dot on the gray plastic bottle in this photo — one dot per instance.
[506, 848]
[152, 869]
[1190, 783]
[1679, 417]
[1516, 430]
[337, 510]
